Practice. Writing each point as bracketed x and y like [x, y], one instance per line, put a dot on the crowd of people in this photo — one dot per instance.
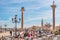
[29, 34]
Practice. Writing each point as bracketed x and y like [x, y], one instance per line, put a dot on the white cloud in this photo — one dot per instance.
[37, 18]
[40, 4]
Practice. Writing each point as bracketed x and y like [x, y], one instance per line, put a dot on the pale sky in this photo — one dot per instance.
[35, 10]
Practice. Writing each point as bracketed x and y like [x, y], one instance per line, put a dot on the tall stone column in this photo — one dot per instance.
[42, 23]
[22, 17]
[53, 12]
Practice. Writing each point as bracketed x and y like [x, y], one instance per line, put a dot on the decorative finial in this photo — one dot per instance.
[22, 9]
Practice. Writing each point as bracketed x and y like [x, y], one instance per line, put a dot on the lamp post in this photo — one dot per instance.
[14, 20]
[5, 27]
[1, 28]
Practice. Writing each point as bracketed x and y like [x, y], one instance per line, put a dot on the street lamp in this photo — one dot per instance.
[1, 28]
[5, 27]
[14, 20]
